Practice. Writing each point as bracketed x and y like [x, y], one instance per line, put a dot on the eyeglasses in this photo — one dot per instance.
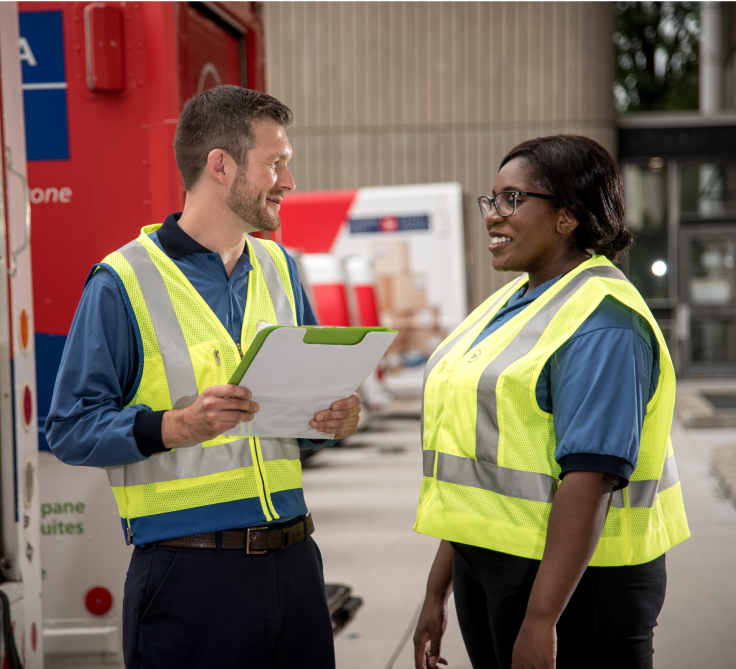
[505, 202]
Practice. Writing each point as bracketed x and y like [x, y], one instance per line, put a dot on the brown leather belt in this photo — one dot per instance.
[254, 540]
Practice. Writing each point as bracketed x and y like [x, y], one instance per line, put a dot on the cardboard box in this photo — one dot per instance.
[424, 340]
[391, 258]
[408, 293]
[384, 293]
[426, 317]
[417, 340]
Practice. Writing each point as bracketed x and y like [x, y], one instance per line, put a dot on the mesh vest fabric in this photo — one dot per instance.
[226, 482]
[490, 473]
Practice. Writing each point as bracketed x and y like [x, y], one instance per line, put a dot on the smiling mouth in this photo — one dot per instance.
[274, 201]
[497, 240]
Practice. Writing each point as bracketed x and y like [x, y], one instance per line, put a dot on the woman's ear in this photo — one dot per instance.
[566, 222]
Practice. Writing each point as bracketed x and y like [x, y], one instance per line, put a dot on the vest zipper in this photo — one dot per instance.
[217, 357]
[240, 350]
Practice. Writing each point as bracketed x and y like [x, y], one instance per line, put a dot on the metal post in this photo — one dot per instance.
[711, 57]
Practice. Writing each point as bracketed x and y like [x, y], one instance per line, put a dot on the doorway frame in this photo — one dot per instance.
[688, 231]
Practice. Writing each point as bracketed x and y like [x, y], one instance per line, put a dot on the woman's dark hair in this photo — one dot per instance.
[585, 179]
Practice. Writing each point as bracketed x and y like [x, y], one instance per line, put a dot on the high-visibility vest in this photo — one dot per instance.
[489, 470]
[183, 348]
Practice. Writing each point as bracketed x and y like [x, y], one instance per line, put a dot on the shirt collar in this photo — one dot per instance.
[518, 297]
[175, 242]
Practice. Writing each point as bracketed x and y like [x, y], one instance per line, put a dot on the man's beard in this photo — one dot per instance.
[247, 205]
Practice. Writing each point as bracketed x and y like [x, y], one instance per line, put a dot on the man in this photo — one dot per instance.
[224, 572]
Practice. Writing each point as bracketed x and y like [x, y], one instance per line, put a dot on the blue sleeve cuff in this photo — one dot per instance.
[605, 464]
[147, 432]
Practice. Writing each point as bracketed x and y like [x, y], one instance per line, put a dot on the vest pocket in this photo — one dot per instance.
[209, 364]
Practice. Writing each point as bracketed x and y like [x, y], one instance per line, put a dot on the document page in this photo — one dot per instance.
[291, 380]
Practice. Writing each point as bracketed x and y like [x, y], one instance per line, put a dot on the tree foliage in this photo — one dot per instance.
[656, 55]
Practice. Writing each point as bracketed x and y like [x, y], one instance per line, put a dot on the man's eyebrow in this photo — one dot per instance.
[276, 156]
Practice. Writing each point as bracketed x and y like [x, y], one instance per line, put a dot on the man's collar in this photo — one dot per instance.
[175, 242]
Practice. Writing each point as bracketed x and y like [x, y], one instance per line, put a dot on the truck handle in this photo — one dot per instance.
[13, 269]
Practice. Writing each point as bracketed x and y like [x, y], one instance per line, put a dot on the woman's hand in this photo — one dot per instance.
[433, 617]
[428, 635]
[536, 646]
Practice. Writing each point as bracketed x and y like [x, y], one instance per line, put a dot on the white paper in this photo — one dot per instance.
[292, 381]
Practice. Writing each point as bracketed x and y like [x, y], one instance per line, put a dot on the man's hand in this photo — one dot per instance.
[536, 646]
[217, 410]
[341, 420]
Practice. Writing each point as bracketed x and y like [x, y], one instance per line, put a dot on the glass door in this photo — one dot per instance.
[708, 287]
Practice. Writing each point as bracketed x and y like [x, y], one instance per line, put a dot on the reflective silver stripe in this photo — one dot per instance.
[440, 352]
[183, 463]
[533, 486]
[486, 425]
[643, 494]
[530, 486]
[670, 475]
[284, 312]
[428, 462]
[174, 352]
[186, 463]
[279, 449]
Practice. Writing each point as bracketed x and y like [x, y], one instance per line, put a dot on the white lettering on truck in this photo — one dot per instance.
[25, 52]
[63, 195]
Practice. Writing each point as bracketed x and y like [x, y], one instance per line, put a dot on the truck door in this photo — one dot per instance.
[211, 51]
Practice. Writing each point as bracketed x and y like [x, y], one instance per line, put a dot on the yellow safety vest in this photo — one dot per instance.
[183, 348]
[489, 470]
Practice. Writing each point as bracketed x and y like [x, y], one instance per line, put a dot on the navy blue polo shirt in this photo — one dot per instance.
[596, 386]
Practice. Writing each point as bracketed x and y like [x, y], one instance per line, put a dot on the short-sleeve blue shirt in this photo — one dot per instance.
[597, 385]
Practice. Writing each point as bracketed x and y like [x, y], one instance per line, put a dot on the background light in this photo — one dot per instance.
[659, 268]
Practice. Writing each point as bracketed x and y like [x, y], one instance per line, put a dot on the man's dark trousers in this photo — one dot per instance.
[196, 609]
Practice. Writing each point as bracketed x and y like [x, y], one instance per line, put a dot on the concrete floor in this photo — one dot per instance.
[363, 497]
[696, 626]
[364, 494]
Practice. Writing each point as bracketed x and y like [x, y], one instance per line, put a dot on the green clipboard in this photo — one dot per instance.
[340, 336]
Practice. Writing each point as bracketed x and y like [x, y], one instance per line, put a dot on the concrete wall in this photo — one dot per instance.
[401, 93]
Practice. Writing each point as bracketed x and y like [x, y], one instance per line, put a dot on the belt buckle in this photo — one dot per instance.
[247, 541]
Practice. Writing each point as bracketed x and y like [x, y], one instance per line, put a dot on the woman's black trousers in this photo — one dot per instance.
[608, 623]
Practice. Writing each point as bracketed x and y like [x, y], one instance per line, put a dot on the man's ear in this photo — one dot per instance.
[566, 222]
[221, 167]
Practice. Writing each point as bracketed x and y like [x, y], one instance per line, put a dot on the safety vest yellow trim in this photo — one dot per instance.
[199, 474]
[489, 473]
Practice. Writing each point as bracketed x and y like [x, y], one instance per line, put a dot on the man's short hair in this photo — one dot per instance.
[221, 118]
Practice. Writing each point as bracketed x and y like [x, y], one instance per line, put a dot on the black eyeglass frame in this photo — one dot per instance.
[515, 193]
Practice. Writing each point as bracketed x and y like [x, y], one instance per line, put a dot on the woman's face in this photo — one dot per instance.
[531, 238]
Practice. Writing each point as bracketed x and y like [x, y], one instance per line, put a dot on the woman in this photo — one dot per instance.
[548, 471]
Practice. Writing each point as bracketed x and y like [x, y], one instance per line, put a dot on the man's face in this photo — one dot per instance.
[259, 185]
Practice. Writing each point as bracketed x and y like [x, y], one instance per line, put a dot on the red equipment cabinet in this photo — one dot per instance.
[103, 88]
